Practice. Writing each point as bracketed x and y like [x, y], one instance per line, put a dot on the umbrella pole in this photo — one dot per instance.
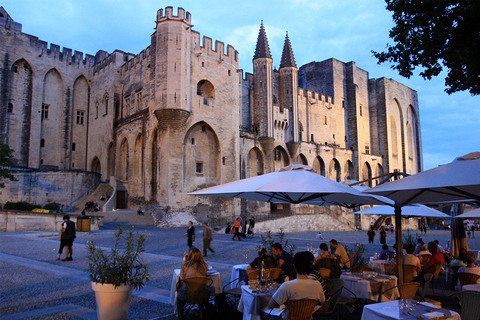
[398, 239]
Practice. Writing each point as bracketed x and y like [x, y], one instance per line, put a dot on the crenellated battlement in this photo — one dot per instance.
[205, 47]
[63, 54]
[314, 97]
[133, 61]
[168, 15]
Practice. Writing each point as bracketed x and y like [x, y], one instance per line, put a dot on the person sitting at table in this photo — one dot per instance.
[471, 268]
[435, 258]
[268, 261]
[420, 246]
[340, 253]
[300, 288]
[462, 255]
[284, 262]
[324, 252]
[411, 259]
[193, 266]
[386, 254]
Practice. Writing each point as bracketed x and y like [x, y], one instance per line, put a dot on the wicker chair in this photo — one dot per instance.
[335, 287]
[408, 272]
[324, 272]
[430, 278]
[301, 309]
[359, 269]
[470, 301]
[273, 273]
[253, 274]
[424, 258]
[407, 291]
[198, 292]
[454, 276]
[468, 278]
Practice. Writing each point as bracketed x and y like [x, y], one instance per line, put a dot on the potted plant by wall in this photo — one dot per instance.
[116, 273]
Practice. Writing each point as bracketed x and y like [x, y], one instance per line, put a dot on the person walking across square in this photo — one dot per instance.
[236, 229]
[207, 239]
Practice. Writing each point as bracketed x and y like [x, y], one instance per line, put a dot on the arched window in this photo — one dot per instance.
[206, 90]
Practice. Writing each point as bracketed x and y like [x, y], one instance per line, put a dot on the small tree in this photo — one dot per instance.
[6, 161]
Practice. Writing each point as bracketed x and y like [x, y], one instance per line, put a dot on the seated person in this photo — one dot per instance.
[324, 252]
[193, 266]
[300, 288]
[268, 261]
[420, 246]
[434, 259]
[462, 256]
[470, 268]
[340, 253]
[284, 262]
[411, 259]
[386, 253]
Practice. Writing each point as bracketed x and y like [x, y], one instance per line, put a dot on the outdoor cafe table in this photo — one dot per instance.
[251, 303]
[379, 265]
[216, 284]
[369, 288]
[391, 310]
[236, 272]
[471, 287]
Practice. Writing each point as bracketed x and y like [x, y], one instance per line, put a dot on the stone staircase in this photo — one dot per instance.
[102, 190]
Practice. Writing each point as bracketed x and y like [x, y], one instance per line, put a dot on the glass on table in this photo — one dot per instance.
[404, 306]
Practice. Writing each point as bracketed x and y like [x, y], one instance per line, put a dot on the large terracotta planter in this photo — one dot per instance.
[112, 303]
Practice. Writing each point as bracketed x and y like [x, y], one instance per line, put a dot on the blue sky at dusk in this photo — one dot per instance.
[343, 29]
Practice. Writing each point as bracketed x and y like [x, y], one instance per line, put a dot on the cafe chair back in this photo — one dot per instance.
[408, 272]
[468, 278]
[407, 291]
[301, 309]
[235, 292]
[470, 301]
[253, 274]
[198, 293]
[359, 269]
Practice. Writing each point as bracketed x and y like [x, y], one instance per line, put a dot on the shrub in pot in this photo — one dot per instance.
[115, 273]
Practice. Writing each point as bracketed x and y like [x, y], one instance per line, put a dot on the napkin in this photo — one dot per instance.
[429, 305]
[432, 315]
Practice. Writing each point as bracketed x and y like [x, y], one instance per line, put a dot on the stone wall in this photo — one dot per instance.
[17, 221]
[67, 187]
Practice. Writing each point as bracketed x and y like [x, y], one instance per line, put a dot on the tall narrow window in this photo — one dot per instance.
[367, 149]
[324, 119]
[127, 105]
[361, 113]
[45, 111]
[139, 101]
[73, 146]
[10, 108]
[80, 116]
[42, 143]
[106, 105]
[199, 168]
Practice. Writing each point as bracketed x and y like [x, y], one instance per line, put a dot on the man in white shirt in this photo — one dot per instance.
[340, 253]
[300, 288]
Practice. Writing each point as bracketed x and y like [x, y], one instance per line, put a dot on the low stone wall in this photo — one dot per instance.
[17, 221]
[67, 187]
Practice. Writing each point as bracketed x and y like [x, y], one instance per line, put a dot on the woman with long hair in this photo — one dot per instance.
[193, 265]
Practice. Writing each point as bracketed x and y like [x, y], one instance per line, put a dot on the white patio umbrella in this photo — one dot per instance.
[293, 184]
[458, 180]
[474, 214]
[416, 210]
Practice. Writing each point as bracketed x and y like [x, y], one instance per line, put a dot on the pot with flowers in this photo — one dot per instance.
[115, 273]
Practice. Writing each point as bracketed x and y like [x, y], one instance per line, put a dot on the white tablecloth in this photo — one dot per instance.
[377, 265]
[370, 289]
[236, 273]
[216, 284]
[391, 310]
[251, 303]
[472, 287]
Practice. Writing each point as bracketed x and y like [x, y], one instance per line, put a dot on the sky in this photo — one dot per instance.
[347, 30]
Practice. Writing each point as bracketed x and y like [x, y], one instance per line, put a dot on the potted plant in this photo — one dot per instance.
[116, 273]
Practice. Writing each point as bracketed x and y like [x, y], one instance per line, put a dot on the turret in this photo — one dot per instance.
[173, 63]
[288, 89]
[263, 87]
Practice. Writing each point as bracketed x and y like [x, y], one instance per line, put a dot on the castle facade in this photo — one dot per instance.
[181, 115]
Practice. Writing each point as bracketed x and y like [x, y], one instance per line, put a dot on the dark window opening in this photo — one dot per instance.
[44, 111]
[73, 146]
[311, 138]
[42, 143]
[203, 64]
[223, 160]
[73, 164]
[10, 108]
[193, 140]
[229, 73]
[199, 168]
[367, 149]
[204, 128]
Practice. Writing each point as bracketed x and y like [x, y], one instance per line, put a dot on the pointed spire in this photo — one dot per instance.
[262, 50]
[288, 60]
